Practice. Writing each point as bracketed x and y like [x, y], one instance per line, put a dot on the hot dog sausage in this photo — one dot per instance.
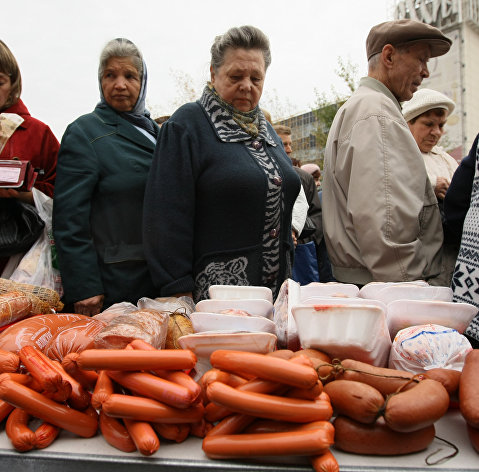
[377, 439]
[20, 435]
[9, 361]
[232, 424]
[325, 462]
[272, 426]
[151, 386]
[115, 433]
[147, 409]
[264, 367]
[306, 393]
[103, 389]
[5, 409]
[45, 434]
[291, 443]
[133, 360]
[282, 353]
[357, 400]
[448, 377]
[269, 406]
[143, 435]
[42, 407]
[79, 398]
[469, 389]
[416, 408]
[86, 378]
[201, 428]
[172, 432]
[385, 380]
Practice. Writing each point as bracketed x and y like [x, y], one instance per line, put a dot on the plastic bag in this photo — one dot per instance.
[38, 266]
[420, 348]
[286, 330]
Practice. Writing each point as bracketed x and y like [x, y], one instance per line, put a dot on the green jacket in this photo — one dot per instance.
[103, 164]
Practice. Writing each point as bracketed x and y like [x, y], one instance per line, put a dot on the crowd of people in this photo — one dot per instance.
[212, 194]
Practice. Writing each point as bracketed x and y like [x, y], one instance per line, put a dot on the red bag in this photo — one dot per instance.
[16, 174]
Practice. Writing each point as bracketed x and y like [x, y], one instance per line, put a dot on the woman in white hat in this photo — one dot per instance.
[426, 115]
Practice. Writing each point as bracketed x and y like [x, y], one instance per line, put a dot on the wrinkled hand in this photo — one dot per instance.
[295, 237]
[89, 306]
[442, 184]
[26, 197]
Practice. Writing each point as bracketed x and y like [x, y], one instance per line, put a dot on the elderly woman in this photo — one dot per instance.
[102, 169]
[426, 114]
[221, 188]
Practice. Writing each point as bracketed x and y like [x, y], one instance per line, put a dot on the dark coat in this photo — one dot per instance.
[102, 169]
[205, 204]
[33, 141]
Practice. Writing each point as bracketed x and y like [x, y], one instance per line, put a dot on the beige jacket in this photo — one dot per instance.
[380, 215]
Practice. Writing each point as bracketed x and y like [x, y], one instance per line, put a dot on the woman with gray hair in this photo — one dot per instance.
[221, 189]
[102, 169]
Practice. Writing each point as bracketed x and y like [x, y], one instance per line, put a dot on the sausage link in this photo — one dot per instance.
[147, 409]
[42, 407]
[45, 434]
[306, 393]
[20, 435]
[272, 426]
[416, 408]
[103, 389]
[325, 462]
[469, 389]
[148, 385]
[269, 406]
[232, 424]
[357, 400]
[172, 432]
[201, 428]
[115, 433]
[143, 435]
[291, 443]
[9, 361]
[79, 398]
[377, 439]
[448, 377]
[5, 409]
[264, 367]
[86, 378]
[133, 360]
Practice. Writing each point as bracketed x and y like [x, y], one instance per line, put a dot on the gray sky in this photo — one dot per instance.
[57, 44]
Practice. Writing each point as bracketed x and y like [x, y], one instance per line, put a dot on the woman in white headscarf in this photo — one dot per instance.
[103, 164]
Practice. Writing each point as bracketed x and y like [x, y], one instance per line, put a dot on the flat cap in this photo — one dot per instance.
[399, 32]
[424, 100]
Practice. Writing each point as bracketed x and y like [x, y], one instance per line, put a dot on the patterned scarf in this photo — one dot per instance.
[248, 121]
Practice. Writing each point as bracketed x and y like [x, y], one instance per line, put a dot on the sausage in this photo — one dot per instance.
[469, 389]
[306, 393]
[417, 407]
[79, 398]
[473, 434]
[9, 361]
[383, 379]
[45, 434]
[40, 406]
[281, 353]
[143, 435]
[448, 377]
[272, 426]
[377, 439]
[103, 389]
[125, 359]
[325, 462]
[321, 362]
[177, 376]
[115, 433]
[217, 375]
[172, 432]
[356, 400]
[24, 379]
[86, 378]
[14, 306]
[41, 368]
[147, 409]
[201, 428]
[5, 409]
[147, 385]
[215, 412]
[269, 406]
[291, 443]
[232, 424]
[20, 435]
[264, 367]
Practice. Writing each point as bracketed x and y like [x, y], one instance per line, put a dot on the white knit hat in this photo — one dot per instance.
[424, 100]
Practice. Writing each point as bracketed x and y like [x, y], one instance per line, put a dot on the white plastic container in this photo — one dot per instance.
[414, 292]
[240, 292]
[219, 322]
[330, 289]
[371, 289]
[405, 313]
[343, 301]
[258, 307]
[345, 331]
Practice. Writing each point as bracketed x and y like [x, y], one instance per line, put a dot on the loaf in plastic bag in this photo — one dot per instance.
[423, 347]
[35, 331]
[13, 307]
[148, 324]
[286, 330]
[75, 337]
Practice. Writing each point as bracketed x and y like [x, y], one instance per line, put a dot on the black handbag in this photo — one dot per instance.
[309, 228]
[20, 226]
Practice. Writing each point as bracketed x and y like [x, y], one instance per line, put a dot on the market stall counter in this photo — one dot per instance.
[94, 454]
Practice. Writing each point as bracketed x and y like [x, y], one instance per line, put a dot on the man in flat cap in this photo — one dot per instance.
[381, 219]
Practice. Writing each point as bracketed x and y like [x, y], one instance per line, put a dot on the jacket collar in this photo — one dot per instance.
[122, 127]
[20, 109]
[379, 87]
